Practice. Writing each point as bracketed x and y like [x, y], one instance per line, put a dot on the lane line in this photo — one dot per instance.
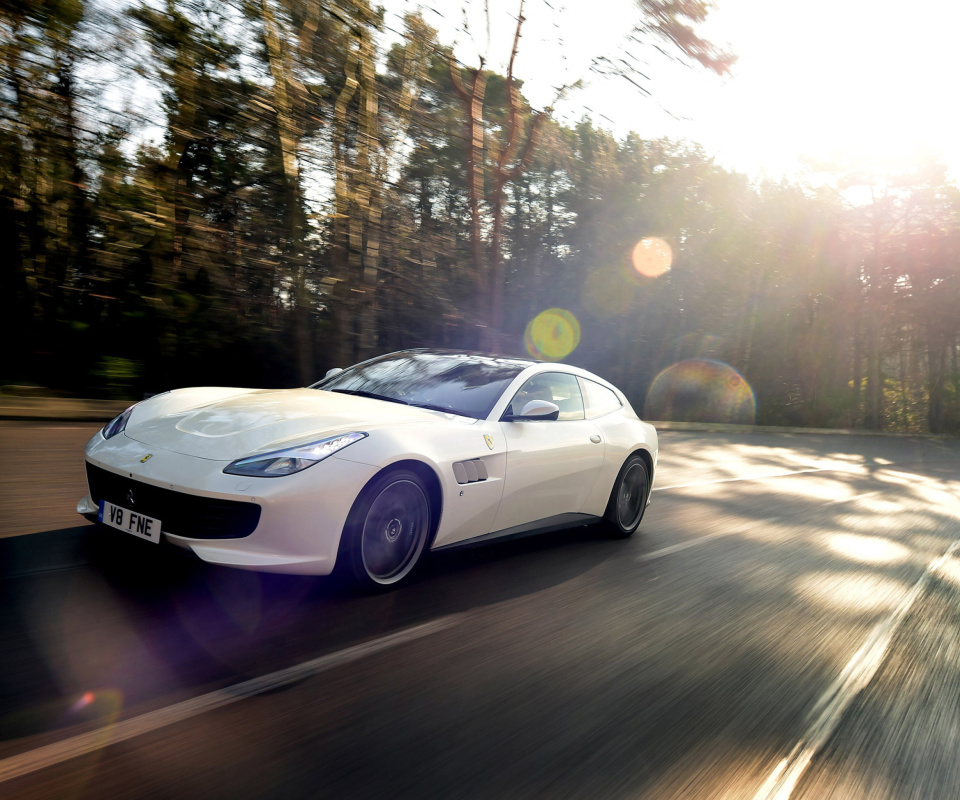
[85, 743]
[754, 478]
[857, 674]
[675, 548]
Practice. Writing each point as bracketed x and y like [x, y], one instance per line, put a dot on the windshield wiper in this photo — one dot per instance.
[371, 395]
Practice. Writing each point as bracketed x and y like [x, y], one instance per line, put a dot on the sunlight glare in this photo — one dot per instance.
[879, 504]
[851, 591]
[823, 487]
[950, 570]
[867, 549]
[877, 87]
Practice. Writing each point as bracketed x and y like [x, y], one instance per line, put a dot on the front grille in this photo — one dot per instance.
[179, 513]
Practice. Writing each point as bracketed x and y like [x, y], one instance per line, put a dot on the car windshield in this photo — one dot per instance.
[464, 384]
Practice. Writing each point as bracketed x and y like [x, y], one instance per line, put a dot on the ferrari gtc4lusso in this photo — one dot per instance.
[374, 465]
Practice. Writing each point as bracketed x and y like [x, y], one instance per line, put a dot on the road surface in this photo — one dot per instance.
[785, 624]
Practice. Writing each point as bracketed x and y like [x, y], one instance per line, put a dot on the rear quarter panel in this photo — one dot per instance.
[622, 435]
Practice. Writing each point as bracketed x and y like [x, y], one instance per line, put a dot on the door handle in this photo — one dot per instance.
[595, 439]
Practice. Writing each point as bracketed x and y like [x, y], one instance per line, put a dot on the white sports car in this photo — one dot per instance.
[412, 451]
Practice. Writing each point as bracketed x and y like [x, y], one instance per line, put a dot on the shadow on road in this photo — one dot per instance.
[152, 624]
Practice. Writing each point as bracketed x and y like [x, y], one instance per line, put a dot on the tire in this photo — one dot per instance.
[388, 531]
[628, 500]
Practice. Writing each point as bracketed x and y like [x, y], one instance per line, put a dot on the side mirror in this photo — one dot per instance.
[535, 410]
[332, 372]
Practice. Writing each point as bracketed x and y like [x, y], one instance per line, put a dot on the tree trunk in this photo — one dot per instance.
[369, 199]
[936, 382]
[750, 321]
[874, 390]
[16, 318]
[343, 303]
[503, 174]
[873, 308]
[473, 162]
[287, 132]
[857, 371]
[904, 396]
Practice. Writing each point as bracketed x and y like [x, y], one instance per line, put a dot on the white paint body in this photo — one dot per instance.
[537, 470]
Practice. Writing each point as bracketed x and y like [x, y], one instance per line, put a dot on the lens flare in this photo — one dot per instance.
[701, 390]
[552, 334]
[102, 708]
[231, 608]
[83, 701]
[652, 257]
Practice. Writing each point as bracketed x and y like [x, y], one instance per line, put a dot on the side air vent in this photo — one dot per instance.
[470, 471]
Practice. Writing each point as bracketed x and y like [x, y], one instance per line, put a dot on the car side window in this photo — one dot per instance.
[599, 400]
[554, 387]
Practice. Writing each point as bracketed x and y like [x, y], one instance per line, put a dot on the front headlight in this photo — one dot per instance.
[117, 424]
[292, 459]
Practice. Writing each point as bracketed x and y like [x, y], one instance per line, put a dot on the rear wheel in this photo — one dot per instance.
[389, 530]
[628, 500]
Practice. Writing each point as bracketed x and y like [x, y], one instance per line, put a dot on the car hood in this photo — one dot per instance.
[259, 421]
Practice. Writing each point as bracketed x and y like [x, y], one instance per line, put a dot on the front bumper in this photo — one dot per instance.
[301, 516]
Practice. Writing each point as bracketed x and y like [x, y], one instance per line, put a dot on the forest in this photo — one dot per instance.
[250, 192]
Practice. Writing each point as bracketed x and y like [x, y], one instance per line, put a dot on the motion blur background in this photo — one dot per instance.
[249, 192]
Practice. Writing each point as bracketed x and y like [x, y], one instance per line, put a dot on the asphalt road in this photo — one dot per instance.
[785, 624]
[41, 474]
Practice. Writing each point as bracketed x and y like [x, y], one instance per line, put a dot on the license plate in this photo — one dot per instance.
[124, 519]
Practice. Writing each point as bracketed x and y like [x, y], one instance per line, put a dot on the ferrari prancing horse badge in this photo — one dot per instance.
[489, 440]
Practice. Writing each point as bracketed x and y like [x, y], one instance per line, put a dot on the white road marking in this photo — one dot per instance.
[753, 478]
[855, 677]
[58, 752]
[675, 548]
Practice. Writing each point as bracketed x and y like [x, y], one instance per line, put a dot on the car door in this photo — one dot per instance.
[551, 465]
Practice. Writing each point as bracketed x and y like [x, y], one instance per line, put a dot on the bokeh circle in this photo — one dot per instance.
[701, 390]
[552, 334]
[652, 257]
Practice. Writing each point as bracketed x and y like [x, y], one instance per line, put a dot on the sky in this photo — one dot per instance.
[819, 79]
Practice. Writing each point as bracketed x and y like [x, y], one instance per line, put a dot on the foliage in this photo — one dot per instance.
[322, 189]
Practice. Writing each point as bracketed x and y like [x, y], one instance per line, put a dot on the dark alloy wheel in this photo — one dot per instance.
[389, 530]
[628, 500]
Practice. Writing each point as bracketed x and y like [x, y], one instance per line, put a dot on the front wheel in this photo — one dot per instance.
[388, 530]
[628, 500]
